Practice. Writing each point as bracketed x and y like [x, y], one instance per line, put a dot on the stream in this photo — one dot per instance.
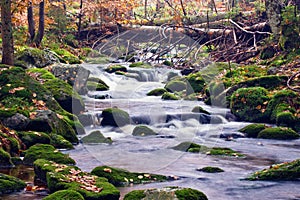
[175, 123]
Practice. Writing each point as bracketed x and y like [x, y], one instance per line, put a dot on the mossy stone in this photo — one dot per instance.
[94, 86]
[115, 117]
[31, 138]
[65, 195]
[195, 83]
[5, 159]
[190, 194]
[199, 109]
[48, 152]
[121, 177]
[252, 130]
[60, 142]
[97, 80]
[9, 184]
[135, 195]
[211, 169]
[288, 171]
[157, 92]
[285, 119]
[247, 104]
[140, 65]
[115, 68]
[67, 57]
[278, 133]
[175, 86]
[169, 96]
[96, 137]
[142, 130]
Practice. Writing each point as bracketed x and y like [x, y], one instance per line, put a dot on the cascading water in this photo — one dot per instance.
[174, 122]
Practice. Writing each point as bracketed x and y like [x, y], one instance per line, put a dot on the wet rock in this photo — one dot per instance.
[115, 117]
[199, 109]
[232, 135]
[175, 86]
[96, 137]
[169, 96]
[171, 193]
[252, 130]
[46, 151]
[65, 194]
[115, 68]
[121, 177]
[86, 119]
[9, 184]
[210, 169]
[16, 122]
[278, 133]
[31, 138]
[157, 92]
[143, 131]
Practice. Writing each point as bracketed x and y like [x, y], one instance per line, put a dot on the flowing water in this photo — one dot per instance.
[174, 122]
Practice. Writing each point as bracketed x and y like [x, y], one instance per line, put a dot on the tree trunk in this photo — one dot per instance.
[31, 24]
[80, 18]
[7, 34]
[145, 8]
[41, 31]
[182, 8]
[273, 9]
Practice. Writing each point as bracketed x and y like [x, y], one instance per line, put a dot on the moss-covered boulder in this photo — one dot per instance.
[5, 159]
[62, 91]
[65, 194]
[60, 142]
[64, 177]
[157, 92]
[215, 151]
[199, 109]
[252, 130]
[97, 80]
[278, 133]
[9, 184]
[211, 170]
[94, 86]
[169, 96]
[10, 145]
[140, 65]
[30, 138]
[96, 137]
[195, 83]
[121, 177]
[33, 57]
[142, 130]
[175, 86]
[285, 119]
[48, 152]
[50, 122]
[287, 171]
[115, 68]
[115, 117]
[65, 56]
[94, 57]
[171, 193]
[249, 104]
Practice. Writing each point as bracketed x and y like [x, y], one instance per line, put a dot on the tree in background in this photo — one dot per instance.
[7, 33]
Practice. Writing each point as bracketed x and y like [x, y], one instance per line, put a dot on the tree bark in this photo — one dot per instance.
[31, 24]
[145, 8]
[273, 9]
[80, 18]
[7, 34]
[41, 30]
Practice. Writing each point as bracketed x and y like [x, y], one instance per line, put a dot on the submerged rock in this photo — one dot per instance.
[115, 117]
[170, 193]
[143, 131]
[96, 137]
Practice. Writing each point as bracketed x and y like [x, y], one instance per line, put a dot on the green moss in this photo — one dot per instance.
[168, 63]
[195, 83]
[121, 177]
[135, 195]
[157, 92]
[15, 146]
[115, 117]
[94, 86]
[287, 171]
[115, 68]
[96, 137]
[190, 194]
[199, 109]
[65, 194]
[211, 169]
[101, 59]
[169, 96]
[31, 138]
[248, 104]
[221, 151]
[67, 57]
[175, 86]
[285, 119]
[60, 142]
[252, 130]
[143, 131]
[278, 133]
[9, 184]
[97, 80]
[140, 65]
[5, 159]
[48, 152]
